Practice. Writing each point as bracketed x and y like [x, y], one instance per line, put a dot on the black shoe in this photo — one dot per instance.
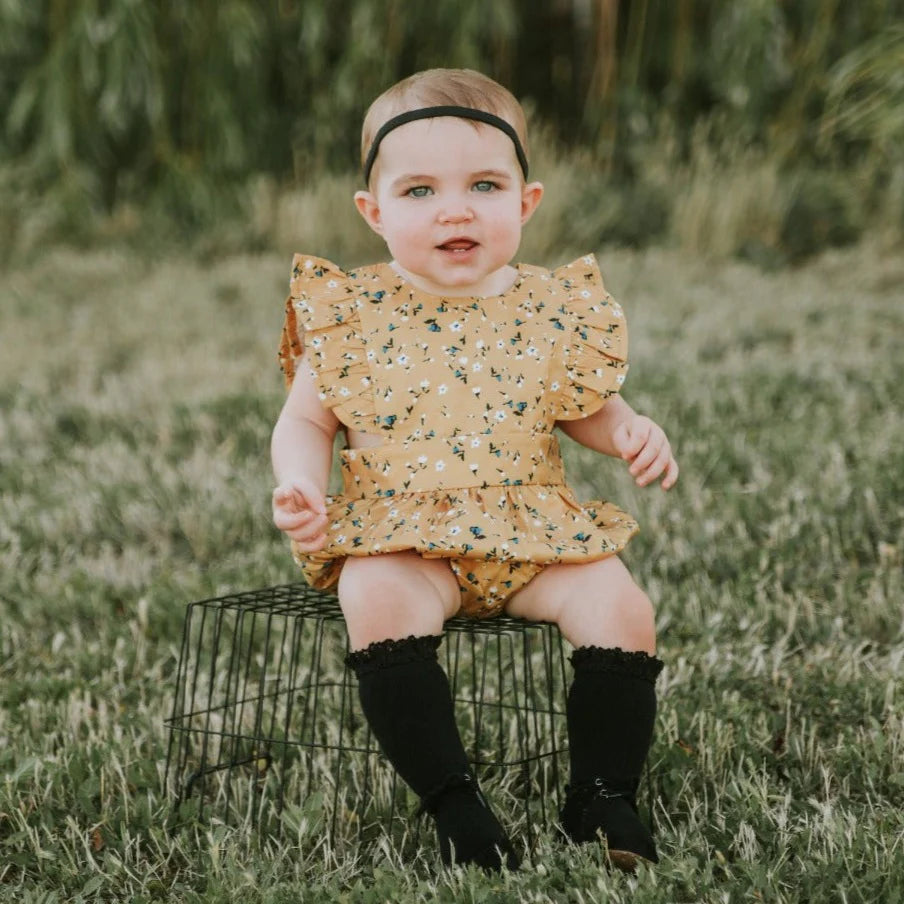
[468, 830]
[595, 811]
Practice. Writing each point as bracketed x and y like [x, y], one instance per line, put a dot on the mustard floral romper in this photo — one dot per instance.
[465, 393]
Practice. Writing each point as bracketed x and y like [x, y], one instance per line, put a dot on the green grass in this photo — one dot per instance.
[136, 399]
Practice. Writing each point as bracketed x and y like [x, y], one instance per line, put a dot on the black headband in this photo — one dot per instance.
[430, 113]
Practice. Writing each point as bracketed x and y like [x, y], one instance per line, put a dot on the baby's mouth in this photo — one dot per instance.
[457, 245]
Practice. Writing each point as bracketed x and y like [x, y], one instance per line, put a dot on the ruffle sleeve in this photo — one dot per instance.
[595, 359]
[322, 321]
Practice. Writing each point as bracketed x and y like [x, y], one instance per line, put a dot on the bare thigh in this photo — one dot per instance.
[391, 596]
[593, 603]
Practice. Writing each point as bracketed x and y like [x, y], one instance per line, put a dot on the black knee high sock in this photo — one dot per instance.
[611, 710]
[407, 701]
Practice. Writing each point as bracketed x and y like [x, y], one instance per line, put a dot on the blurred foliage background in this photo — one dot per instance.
[767, 129]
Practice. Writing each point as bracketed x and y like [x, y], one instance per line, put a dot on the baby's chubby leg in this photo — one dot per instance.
[395, 595]
[394, 606]
[611, 704]
[593, 603]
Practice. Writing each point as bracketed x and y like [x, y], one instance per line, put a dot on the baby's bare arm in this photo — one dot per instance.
[618, 430]
[597, 431]
[301, 449]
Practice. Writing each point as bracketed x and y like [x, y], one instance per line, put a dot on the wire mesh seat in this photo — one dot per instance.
[266, 725]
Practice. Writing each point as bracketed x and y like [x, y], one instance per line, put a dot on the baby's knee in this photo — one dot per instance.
[372, 580]
[616, 614]
[387, 596]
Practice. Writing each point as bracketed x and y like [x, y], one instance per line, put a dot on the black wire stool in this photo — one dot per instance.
[266, 725]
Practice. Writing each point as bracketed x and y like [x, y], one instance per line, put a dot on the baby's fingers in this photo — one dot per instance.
[309, 540]
[659, 463]
[671, 474]
[648, 456]
[300, 525]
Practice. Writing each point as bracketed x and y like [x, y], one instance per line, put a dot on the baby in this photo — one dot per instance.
[448, 369]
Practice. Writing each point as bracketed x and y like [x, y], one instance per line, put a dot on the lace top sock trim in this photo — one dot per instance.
[636, 663]
[384, 654]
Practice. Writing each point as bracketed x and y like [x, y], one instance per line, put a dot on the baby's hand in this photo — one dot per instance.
[299, 510]
[644, 444]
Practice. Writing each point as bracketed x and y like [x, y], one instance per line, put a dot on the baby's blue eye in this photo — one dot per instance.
[484, 185]
[420, 191]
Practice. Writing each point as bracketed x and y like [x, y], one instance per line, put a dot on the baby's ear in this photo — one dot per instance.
[369, 209]
[531, 195]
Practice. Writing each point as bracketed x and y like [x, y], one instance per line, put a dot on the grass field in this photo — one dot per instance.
[136, 400]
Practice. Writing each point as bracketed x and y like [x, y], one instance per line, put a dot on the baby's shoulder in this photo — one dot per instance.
[581, 273]
[572, 284]
[312, 275]
[323, 293]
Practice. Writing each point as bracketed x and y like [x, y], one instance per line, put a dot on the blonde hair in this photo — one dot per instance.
[443, 87]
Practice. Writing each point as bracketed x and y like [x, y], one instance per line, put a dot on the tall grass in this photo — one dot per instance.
[136, 399]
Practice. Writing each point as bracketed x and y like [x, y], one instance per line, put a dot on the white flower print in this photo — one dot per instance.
[500, 415]
[479, 343]
[332, 284]
[532, 351]
[455, 326]
[344, 391]
[475, 442]
[476, 366]
[585, 293]
[425, 384]
[620, 378]
[500, 343]
[476, 390]
[455, 529]
[422, 459]
[440, 465]
[442, 389]
[463, 359]
[340, 538]
[402, 360]
[554, 386]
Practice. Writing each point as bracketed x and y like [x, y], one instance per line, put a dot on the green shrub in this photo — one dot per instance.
[822, 212]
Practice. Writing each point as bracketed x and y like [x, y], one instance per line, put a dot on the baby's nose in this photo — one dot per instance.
[456, 210]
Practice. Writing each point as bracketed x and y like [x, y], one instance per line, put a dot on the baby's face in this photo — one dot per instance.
[450, 201]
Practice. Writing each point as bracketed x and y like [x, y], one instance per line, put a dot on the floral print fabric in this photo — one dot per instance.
[465, 394]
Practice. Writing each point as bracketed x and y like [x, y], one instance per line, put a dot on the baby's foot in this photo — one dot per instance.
[467, 828]
[594, 810]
